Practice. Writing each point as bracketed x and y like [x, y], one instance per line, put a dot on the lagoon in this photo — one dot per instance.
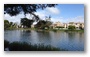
[69, 40]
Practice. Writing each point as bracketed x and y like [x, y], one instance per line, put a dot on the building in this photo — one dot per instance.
[65, 25]
[78, 25]
[58, 24]
[32, 26]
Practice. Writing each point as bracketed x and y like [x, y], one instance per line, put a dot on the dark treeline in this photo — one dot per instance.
[26, 23]
[41, 24]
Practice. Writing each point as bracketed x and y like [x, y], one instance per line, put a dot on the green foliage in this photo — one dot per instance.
[48, 23]
[15, 9]
[71, 27]
[6, 24]
[9, 25]
[59, 27]
[6, 44]
[55, 30]
[18, 46]
[26, 22]
[23, 46]
[42, 24]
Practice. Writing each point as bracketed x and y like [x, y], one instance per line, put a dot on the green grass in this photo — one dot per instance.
[23, 46]
[75, 30]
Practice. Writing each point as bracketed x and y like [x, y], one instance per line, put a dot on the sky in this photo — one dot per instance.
[62, 12]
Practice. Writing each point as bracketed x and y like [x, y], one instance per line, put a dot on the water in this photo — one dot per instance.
[72, 41]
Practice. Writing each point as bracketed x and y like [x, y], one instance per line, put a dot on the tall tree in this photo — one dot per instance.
[15, 9]
[6, 24]
[11, 23]
[42, 24]
[26, 22]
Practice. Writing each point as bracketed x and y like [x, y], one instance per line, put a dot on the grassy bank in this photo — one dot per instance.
[55, 30]
[19, 46]
[47, 29]
[74, 30]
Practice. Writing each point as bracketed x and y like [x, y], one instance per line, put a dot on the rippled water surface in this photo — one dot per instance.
[65, 40]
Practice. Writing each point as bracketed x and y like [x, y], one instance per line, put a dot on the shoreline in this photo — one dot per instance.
[56, 30]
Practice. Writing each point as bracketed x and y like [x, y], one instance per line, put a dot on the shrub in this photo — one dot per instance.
[71, 27]
[18, 46]
[23, 46]
[6, 44]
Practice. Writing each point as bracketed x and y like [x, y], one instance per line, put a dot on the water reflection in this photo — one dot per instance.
[25, 35]
[61, 39]
[71, 36]
[44, 37]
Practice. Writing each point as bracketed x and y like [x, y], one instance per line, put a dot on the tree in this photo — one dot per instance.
[15, 9]
[6, 24]
[9, 25]
[48, 22]
[71, 27]
[26, 22]
[42, 24]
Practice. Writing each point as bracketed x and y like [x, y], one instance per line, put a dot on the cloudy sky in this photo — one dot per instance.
[62, 12]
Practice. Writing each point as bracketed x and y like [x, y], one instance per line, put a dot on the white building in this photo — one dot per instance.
[78, 25]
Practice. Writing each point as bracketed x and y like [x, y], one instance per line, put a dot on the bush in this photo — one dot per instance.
[18, 46]
[71, 27]
[6, 44]
[23, 46]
